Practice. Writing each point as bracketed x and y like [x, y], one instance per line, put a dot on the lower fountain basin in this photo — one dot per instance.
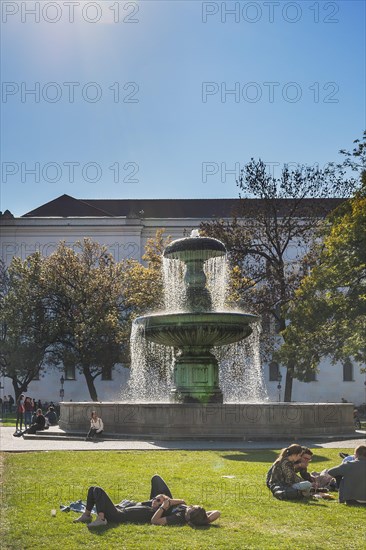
[293, 421]
[197, 330]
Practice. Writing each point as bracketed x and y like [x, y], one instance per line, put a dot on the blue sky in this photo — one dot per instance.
[132, 99]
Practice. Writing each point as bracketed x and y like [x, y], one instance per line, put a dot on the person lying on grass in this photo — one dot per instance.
[134, 512]
[172, 513]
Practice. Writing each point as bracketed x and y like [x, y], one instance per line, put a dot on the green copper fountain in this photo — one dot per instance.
[194, 331]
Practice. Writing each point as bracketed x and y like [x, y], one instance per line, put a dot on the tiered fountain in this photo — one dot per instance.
[196, 407]
[196, 330]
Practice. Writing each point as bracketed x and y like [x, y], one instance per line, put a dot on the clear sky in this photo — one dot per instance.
[132, 99]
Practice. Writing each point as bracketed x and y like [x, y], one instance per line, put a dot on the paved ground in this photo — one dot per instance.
[18, 444]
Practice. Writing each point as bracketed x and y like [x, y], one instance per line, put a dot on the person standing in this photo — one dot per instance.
[34, 409]
[28, 411]
[20, 413]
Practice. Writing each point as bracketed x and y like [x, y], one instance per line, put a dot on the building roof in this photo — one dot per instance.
[66, 206]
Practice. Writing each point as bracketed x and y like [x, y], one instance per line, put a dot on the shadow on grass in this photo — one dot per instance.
[203, 527]
[268, 456]
[101, 531]
[245, 456]
[311, 502]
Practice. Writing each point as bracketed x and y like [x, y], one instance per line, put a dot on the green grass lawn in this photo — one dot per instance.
[34, 483]
[8, 420]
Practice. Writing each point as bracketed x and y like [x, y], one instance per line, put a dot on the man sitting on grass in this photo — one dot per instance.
[152, 511]
[322, 481]
[352, 487]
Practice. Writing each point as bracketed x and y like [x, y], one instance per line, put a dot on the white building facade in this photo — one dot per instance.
[124, 226]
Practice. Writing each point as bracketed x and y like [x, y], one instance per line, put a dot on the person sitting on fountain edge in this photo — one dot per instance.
[96, 427]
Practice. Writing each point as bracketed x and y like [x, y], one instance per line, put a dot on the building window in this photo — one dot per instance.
[274, 371]
[107, 373]
[348, 371]
[70, 372]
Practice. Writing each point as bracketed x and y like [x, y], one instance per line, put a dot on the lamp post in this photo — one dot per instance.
[279, 379]
[62, 391]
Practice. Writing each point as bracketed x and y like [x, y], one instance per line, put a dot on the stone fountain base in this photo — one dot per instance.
[214, 421]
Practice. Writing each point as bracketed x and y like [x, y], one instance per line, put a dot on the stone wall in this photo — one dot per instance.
[220, 421]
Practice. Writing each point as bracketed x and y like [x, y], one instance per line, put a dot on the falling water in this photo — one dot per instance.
[240, 372]
[241, 377]
[174, 289]
[150, 377]
[216, 272]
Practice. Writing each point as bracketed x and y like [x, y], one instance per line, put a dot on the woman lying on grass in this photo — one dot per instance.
[161, 509]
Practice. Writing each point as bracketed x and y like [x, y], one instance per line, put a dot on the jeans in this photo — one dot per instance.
[134, 514]
[93, 433]
[27, 418]
[140, 513]
[19, 421]
[302, 486]
[158, 486]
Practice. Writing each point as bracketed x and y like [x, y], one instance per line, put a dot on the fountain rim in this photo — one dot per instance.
[209, 244]
[199, 317]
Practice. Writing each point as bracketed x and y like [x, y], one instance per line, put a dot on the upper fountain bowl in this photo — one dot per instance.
[190, 248]
[196, 330]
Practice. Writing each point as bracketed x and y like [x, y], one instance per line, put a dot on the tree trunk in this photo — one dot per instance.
[289, 372]
[19, 387]
[288, 385]
[90, 383]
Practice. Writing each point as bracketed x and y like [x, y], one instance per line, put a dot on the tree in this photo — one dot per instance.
[328, 313]
[269, 236]
[143, 284]
[84, 295]
[25, 328]
[356, 160]
[94, 300]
